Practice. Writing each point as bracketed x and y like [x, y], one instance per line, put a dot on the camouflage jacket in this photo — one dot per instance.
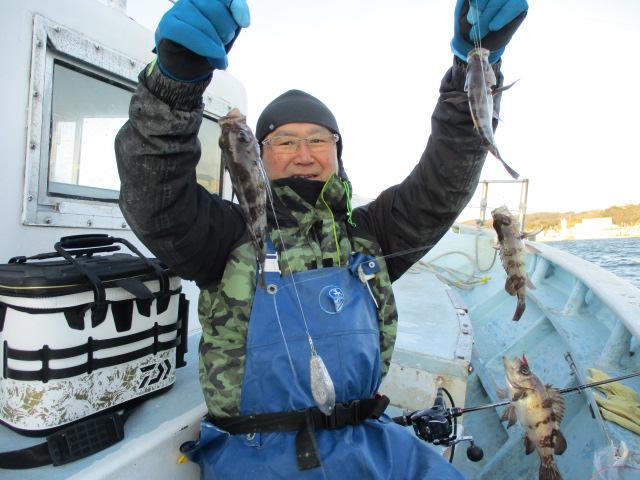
[202, 237]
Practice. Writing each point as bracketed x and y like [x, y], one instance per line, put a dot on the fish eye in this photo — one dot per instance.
[243, 137]
[524, 370]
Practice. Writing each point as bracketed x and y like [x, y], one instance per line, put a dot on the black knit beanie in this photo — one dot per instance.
[298, 106]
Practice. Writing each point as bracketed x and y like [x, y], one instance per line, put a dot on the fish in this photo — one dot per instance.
[479, 85]
[512, 255]
[241, 158]
[539, 409]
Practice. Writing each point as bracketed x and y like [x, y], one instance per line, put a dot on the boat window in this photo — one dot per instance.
[86, 115]
[80, 93]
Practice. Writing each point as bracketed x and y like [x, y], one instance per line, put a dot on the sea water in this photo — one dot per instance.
[618, 255]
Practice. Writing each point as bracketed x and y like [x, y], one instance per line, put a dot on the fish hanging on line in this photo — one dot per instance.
[479, 86]
[539, 409]
[241, 158]
[511, 250]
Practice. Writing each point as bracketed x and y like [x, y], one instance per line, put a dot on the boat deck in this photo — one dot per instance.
[433, 346]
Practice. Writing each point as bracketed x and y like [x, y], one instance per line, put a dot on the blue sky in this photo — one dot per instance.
[570, 125]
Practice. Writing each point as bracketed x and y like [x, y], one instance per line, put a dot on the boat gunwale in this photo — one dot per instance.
[618, 294]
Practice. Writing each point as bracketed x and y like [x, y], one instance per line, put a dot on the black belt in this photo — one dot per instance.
[305, 422]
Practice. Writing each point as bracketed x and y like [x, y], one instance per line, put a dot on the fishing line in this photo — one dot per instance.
[293, 282]
[477, 41]
[286, 346]
[476, 38]
[425, 247]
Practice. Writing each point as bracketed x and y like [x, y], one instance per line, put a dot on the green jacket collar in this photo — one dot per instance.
[292, 210]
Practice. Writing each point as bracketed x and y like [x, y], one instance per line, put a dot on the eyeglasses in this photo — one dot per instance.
[289, 144]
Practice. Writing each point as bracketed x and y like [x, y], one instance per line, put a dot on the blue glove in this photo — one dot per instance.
[207, 28]
[492, 21]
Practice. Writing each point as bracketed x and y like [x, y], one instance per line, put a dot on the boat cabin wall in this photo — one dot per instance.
[68, 73]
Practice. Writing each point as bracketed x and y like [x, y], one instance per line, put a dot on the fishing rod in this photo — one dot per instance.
[457, 411]
[437, 425]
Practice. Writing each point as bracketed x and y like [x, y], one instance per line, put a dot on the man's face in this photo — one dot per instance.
[309, 160]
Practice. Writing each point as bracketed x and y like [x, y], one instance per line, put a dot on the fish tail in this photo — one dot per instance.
[548, 469]
[520, 307]
[494, 151]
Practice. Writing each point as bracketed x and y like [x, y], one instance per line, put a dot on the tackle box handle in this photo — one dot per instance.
[93, 242]
[87, 241]
[87, 252]
[87, 245]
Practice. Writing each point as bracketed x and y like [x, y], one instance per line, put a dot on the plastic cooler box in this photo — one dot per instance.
[87, 333]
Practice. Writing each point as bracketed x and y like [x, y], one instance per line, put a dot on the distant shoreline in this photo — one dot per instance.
[563, 238]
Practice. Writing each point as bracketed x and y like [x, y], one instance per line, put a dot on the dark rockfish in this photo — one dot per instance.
[512, 255]
[479, 87]
[241, 158]
[539, 408]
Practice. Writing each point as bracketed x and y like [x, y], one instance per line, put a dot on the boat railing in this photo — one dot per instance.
[619, 295]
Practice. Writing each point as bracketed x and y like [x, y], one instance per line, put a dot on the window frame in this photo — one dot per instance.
[51, 43]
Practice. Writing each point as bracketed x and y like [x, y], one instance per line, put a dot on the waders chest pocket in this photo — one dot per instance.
[82, 333]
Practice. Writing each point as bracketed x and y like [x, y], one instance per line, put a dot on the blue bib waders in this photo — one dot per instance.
[343, 323]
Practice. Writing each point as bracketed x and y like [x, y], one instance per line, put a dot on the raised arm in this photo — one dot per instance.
[412, 216]
[157, 150]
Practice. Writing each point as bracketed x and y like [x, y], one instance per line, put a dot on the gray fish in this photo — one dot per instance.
[322, 388]
[241, 158]
[512, 255]
[539, 409]
[479, 87]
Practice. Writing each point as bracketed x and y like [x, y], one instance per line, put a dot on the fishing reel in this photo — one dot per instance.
[438, 426]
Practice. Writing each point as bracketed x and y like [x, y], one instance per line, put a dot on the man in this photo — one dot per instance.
[258, 341]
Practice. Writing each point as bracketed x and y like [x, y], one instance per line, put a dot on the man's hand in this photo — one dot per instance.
[493, 22]
[194, 36]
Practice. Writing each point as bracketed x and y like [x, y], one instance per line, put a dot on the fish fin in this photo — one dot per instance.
[510, 415]
[519, 308]
[511, 285]
[548, 469]
[503, 88]
[501, 392]
[524, 235]
[529, 446]
[559, 442]
[457, 98]
[557, 402]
